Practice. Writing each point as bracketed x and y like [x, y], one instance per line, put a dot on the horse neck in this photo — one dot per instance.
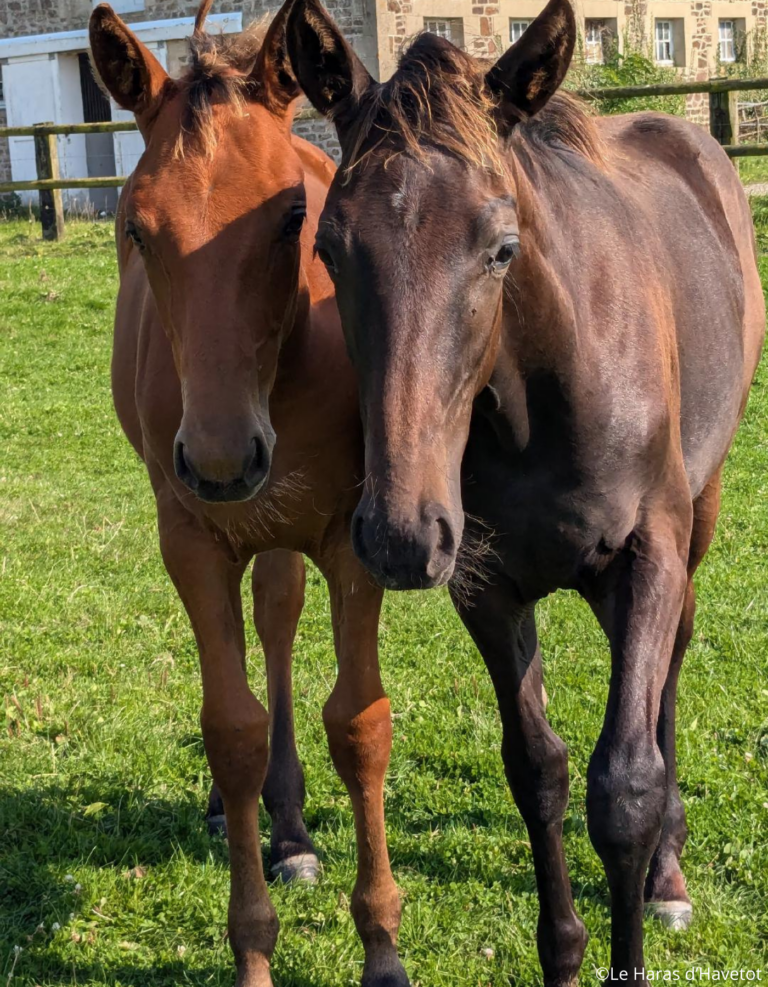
[541, 294]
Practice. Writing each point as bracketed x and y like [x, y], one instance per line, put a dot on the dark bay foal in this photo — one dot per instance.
[232, 382]
[555, 321]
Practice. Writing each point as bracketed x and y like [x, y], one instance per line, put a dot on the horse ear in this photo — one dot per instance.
[129, 71]
[272, 70]
[328, 70]
[530, 72]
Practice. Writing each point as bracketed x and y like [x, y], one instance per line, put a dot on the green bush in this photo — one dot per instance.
[11, 206]
[634, 66]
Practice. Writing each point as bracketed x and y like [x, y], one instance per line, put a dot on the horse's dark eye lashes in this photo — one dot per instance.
[132, 232]
[295, 219]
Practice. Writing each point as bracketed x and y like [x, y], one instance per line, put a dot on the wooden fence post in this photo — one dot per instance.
[51, 209]
[724, 119]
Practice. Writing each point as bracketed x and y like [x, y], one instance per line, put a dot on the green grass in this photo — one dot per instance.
[101, 762]
[753, 171]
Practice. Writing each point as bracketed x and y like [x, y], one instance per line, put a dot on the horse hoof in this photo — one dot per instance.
[217, 825]
[391, 974]
[302, 868]
[675, 915]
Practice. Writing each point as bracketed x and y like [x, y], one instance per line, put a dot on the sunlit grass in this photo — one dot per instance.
[101, 763]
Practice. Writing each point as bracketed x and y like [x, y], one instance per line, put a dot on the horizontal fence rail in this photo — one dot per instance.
[675, 89]
[723, 125]
[109, 126]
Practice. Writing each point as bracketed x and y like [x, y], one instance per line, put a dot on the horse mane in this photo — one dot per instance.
[219, 71]
[566, 122]
[438, 99]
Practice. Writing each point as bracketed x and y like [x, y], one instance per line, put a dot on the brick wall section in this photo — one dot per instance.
[321, 133]
[488, 43]
[697, 104]
[396, 40]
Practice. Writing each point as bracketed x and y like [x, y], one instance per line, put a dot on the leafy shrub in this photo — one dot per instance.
[11, 206]
[634, 66]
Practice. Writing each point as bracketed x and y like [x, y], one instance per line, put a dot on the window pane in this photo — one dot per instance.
[727, 41]
[593, 44]
[664, 47]
[517, 29]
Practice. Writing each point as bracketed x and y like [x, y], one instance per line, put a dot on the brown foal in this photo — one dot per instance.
[232, 382]
[555, 321]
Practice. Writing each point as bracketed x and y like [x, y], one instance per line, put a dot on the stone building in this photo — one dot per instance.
[45, 74]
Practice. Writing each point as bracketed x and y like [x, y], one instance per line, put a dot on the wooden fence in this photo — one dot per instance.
[723, 125]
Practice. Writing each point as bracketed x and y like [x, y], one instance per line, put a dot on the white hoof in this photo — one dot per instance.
[675, 915]
[304, 868]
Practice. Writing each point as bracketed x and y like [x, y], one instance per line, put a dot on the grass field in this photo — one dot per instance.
[102, 768]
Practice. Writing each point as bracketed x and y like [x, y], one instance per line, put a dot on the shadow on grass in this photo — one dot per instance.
[50, 831]
[161, 975]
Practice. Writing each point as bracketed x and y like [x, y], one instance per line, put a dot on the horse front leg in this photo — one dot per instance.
[666, 895]
[235, 724]
[359, 728]
[627, 776]
[536, 764]
[278, 580]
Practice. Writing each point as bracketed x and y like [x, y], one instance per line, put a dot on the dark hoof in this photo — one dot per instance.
[389, 974]
[217, 825]
[675, 915]
[302, 868]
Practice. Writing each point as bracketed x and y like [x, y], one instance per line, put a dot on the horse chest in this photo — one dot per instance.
[553, 513]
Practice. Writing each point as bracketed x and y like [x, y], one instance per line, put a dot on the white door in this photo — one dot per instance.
[28, 83]
[129, 147]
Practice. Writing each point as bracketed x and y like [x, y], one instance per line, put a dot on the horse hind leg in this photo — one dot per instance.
[279, 579]
[666, 896]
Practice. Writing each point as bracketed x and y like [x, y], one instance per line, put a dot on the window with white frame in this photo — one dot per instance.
[2, 94]
[517, 29]
[450, 28]
[665, 43]
[599, 38]
[727, 38]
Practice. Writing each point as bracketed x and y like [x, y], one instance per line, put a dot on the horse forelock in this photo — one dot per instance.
[219, 71]
[438, 100]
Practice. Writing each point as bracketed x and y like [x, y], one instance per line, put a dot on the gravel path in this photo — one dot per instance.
[761, 188]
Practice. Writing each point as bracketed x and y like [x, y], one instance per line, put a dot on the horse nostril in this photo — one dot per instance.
[442, 539]
[256, 466]
[446, 542]
[183, 467]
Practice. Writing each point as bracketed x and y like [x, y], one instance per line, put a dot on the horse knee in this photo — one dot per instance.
[279, 582]
[360, 745]
[626, 798]
[236, 738]
[539, 782]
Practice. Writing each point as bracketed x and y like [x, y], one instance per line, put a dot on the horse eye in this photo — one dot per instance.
[326, 258]
[507, 253]
[132, 231]
[295, 221]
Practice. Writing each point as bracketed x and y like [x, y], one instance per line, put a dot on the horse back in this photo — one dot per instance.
[701, 225]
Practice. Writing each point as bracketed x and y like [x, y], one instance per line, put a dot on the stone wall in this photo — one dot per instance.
[321, 133]
[22, 17]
